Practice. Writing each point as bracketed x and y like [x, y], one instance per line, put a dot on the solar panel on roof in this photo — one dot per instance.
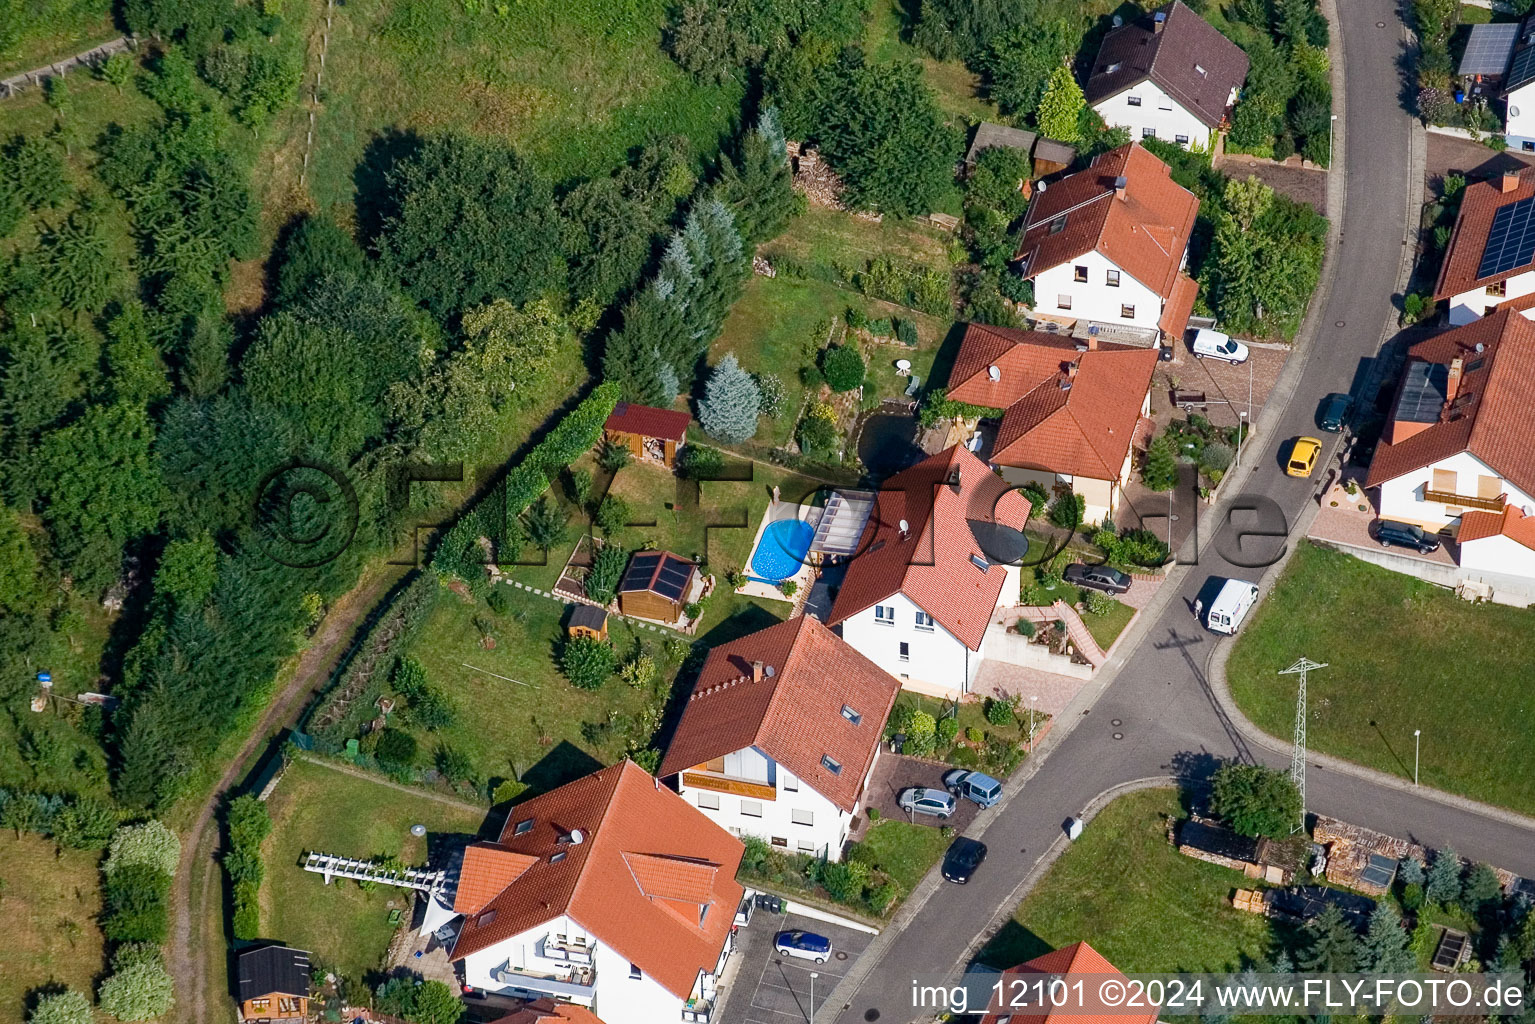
[1511, 242]
[1488, 49]
[1521, 69]
[1380, 870]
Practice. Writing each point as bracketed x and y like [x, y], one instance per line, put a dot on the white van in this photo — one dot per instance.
[1231, 606]
[1218, 346]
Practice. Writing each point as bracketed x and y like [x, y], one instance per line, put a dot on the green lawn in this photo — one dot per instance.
[531, 728]
[1458, 671]
[1000, 749]
[50, 901]
[316, 808]
[1106, 628]
[1138, 901]
[904, 852]
[67, 33]
[575, 86]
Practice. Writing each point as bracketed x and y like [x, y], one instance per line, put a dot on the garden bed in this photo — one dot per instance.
[992, 743]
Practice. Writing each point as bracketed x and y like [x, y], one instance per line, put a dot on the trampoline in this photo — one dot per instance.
[781, 550]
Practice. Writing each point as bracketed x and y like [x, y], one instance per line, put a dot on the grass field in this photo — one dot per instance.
[1458, 671]
[904, 852]
[1138, 901]
[67, 34]
[319, 808]
[50, 904]
[1106, 628]
[575, 86]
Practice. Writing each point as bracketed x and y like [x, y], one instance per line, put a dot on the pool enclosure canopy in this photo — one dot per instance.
[842, 521]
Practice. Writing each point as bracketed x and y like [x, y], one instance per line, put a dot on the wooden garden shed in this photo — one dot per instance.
[658, 585]
[587, 620]
[650, 434]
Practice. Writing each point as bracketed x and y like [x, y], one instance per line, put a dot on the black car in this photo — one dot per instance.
[1334, 412]
[1097, 577]
[1405, 535]
[964, 856]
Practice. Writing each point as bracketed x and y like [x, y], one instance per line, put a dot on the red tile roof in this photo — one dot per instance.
[648, 421]
[1511, 523]
[625, 817]
[794, 716]
[1494, 407]
[1144, 232]
[1463, 256]
[547, 1011]
[1189, 60]
[1178, 307]
[1076, 960]
[932, 562]
[1086, 430]
[487, 870]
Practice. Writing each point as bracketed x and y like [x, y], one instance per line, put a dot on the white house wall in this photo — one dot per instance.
[1520, 123]
[824, 835]
[617, 997]
[1498, 554]
[1473, 304]
[1402, 499]
[1095, 299]
[1163, 116]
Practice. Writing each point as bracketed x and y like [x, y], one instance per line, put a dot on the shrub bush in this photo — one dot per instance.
[921, 735]
[1097, 602]
[396, 748]
[948, 729]
[906, 333]
[974, 735]
[1067, 509]
[1255, 800]
[150, 843]
[498, 600]
[613, 514]
[700, 462]
[874, 814]
[587, 662]
[135, 904]
[601, 583]
[882, 897]
[1000, 712]
[818, 435]
[844, 881]
[843, 367]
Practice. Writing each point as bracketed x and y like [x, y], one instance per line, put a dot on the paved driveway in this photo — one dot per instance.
[773, 989]
[895, 772]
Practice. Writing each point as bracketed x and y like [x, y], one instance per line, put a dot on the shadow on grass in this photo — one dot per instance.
[564, 763]
[1012, 945]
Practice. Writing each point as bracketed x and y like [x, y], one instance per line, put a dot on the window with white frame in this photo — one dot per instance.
[1134, 101]
[709, 801]
[924, 622]
[884, 614]
[805, 846]
[1079, 273]
[751, 808]
[1112, 279]
[800, 817]
[1182, 140]
[1063, 302]
[790, 783]
[1148, 133]
[905, 651]
[1127, 311]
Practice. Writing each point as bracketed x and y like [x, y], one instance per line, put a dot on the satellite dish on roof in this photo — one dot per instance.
[905, 527]
[1480, 347]
[993, 373]
[1118, 22]
[577, 837]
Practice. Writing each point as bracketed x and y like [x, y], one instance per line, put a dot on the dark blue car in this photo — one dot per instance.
[805, 945]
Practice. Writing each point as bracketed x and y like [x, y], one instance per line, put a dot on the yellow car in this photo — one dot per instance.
[1303, 455]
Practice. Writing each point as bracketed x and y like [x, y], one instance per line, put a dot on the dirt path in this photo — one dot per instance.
[416, 791]
[196, 927]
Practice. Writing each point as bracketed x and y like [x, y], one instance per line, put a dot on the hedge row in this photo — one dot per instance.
[78, 822]
[249, 823]
[459, 553]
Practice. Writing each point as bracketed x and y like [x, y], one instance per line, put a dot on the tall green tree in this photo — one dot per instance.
[729, 407]
[310, 250]
[1330, 944]
[1018, 63]
[758, 187]
[98, 478]
[78, 263]
[1442, 883]
[471, 222]
[1383, 949]
[1060, 107]
[1255, 800]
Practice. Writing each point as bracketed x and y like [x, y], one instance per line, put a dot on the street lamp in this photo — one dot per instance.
[1241, 434]
[1329, 140]
[1033, 701]
[813, 977]
[1416, 741]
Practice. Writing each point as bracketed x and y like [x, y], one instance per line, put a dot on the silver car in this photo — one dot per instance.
[921, 800]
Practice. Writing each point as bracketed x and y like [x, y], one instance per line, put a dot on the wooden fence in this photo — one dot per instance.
[17, 84]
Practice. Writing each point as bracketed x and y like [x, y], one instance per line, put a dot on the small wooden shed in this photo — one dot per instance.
[657, 585]
[1051, 157]
[651, 434]
[587, 620]
[273, 984]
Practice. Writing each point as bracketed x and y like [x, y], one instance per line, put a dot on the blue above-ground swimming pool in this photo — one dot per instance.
[781, 550]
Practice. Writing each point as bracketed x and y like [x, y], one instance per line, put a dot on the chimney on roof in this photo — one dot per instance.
[1120, 184]
[1452, 385]
[1509, 182]
[954, 479]
[1092, 342]
[757, 671]
[1071, 368]
[1158, 21]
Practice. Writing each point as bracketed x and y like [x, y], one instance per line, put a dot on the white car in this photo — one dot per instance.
[1218, 346]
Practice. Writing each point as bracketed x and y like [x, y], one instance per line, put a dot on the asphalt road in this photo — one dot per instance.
[1158, 716]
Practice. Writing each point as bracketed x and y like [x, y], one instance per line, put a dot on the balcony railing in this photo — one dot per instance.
[1465, 500]
[697, 1011]
[577, 983]
[728, 784]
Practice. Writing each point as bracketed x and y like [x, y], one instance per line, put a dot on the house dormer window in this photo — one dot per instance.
[1498, 289]
[831, 764]
[1200, 71]
[850, 714]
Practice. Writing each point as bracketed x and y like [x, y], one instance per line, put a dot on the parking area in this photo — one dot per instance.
[773, 989]
[895, 772]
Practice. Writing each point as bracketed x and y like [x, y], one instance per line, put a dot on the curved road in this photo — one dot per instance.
[1161, 702]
